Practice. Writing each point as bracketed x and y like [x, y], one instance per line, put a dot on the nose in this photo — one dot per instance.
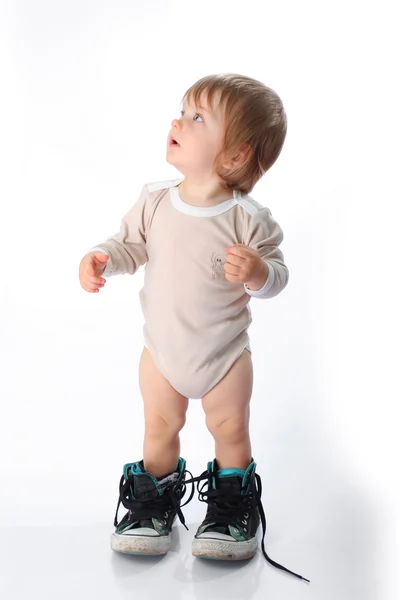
[176, 123]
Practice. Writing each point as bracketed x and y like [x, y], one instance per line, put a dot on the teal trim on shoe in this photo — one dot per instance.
[134, 468]
[233, 472]
[230, 472]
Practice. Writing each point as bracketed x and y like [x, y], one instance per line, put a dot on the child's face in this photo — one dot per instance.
[199, 133]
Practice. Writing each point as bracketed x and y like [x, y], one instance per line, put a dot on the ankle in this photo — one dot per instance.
[161, 459]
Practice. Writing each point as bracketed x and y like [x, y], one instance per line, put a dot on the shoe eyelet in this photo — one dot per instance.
[246, 515]
[244, 522]
[245, 529]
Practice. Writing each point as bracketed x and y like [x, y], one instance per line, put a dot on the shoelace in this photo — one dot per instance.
[228, 504]
[146, 508]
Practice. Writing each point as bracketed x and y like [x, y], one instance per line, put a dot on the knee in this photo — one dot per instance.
[233, 428]
[160, 426]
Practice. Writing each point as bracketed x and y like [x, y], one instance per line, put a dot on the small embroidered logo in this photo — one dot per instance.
[217, 264]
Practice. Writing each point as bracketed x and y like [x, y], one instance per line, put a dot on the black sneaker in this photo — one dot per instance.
[153, 505]
[229, 530]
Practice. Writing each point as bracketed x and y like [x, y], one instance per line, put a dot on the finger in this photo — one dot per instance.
[232, 278]
[235, 260]
[90, 291]
[231, 269]
[97, 280]
[100, 262]
[239, 250]
[92, 286]
[233, 252]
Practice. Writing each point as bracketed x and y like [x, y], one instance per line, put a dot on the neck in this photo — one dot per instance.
[203, 193]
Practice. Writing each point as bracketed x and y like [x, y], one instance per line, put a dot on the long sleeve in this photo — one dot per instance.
[127, 248]
[265, 236]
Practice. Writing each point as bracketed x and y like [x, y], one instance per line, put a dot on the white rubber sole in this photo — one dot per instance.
[223, 549]
[139, 544]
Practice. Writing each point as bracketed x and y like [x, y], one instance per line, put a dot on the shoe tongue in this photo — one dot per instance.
[227, 479]
[146, 487]
[230, 480]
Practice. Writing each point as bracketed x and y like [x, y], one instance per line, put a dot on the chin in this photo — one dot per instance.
[174, 165]
[168, 159]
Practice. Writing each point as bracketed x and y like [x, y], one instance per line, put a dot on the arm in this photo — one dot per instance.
[265, 236]
[127, 248]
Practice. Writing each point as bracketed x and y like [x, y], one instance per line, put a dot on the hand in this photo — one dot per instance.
[91, 268]
[244, 265]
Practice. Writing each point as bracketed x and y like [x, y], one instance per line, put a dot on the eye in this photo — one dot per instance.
[196, 115]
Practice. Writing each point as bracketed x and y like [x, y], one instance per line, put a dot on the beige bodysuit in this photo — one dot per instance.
[196, 321]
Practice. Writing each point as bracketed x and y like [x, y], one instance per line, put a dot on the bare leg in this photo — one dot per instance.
[227, 410]
[165, 415]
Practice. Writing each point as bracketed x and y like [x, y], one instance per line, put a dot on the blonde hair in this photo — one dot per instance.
[255, 123]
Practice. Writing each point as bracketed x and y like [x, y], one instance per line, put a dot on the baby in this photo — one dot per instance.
[208, 248]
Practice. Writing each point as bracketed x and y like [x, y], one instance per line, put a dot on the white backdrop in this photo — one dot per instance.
[89, 90]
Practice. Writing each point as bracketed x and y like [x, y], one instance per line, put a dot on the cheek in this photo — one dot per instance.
[203, 151]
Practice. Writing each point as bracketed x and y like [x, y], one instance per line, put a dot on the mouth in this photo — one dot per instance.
[173, 142]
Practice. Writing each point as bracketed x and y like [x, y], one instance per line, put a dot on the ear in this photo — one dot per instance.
[241, 158]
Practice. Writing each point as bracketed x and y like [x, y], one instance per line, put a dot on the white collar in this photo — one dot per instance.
[202, 211]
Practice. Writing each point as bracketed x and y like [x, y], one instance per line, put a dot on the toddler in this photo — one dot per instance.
[208, 248]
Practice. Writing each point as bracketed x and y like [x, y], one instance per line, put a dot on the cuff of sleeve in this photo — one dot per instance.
[267, 285]
[108, 270]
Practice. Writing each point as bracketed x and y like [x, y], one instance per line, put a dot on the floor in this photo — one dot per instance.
[327, 536]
